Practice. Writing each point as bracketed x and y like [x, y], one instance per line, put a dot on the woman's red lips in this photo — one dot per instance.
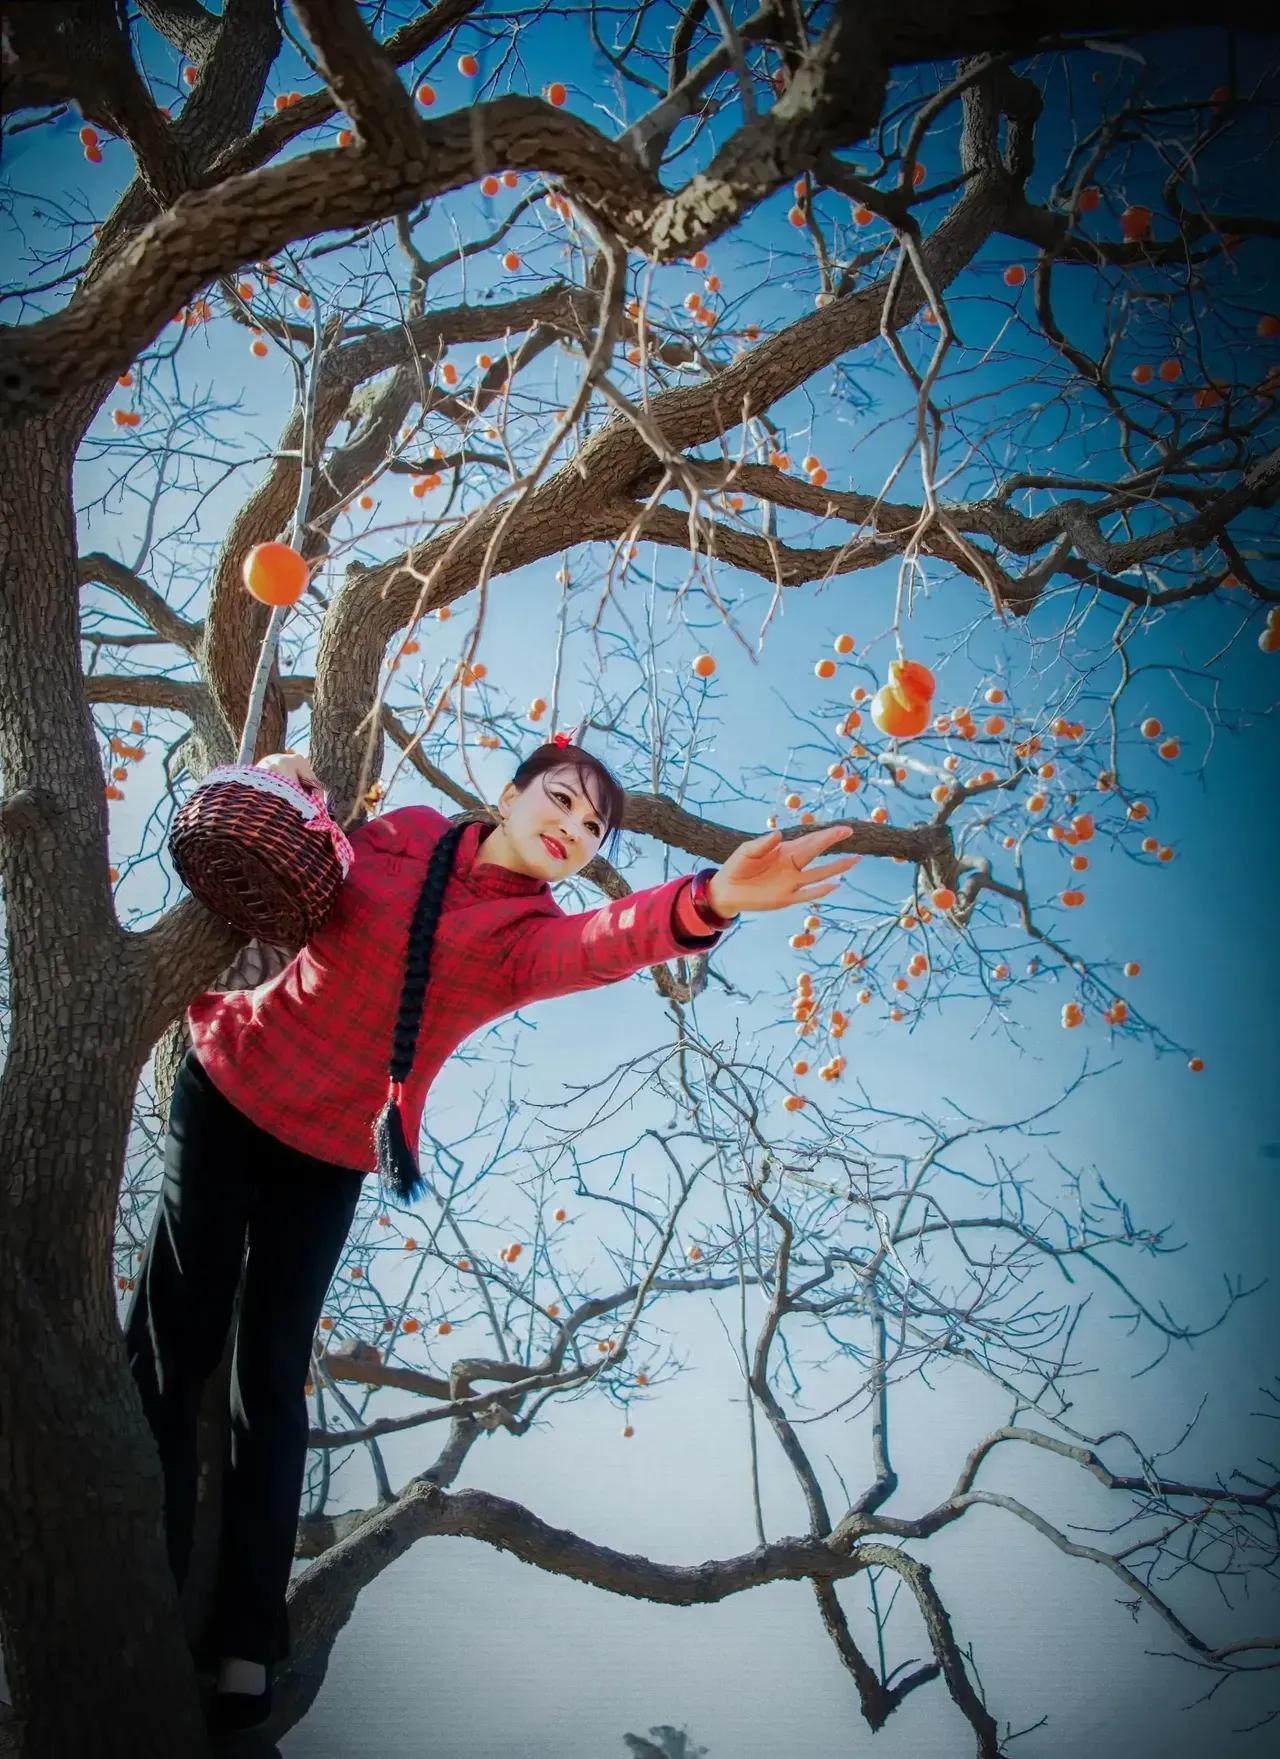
[554, 847]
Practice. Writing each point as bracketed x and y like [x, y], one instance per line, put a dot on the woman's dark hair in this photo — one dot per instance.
[397, 1164]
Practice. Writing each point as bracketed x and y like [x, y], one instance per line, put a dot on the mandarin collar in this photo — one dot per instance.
[488, 877]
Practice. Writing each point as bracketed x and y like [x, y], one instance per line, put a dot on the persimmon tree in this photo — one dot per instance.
[980, 283]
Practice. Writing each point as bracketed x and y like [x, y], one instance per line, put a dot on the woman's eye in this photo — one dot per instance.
[557, 795]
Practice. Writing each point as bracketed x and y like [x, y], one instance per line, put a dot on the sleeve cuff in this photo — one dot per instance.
[687, 922]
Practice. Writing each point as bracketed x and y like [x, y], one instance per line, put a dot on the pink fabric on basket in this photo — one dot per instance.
[327, 826]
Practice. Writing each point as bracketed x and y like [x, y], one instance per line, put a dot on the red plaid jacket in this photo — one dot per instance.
[305, 1054]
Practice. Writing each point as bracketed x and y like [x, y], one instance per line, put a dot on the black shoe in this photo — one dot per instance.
[228, 1712]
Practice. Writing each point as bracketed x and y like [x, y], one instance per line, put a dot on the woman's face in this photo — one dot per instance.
[552, 810]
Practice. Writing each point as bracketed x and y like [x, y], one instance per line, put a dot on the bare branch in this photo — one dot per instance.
[145, 599]
[187, 24]
[358, 73]
[831, 102]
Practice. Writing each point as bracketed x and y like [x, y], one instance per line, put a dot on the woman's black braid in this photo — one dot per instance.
[396, 1163]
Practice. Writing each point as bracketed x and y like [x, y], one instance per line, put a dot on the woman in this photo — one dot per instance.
[294, 1091]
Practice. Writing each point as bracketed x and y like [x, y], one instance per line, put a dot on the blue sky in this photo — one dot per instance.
[1200, 1154]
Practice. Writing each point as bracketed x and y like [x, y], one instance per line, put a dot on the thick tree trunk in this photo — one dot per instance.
[88, 1612]
[89, 1617]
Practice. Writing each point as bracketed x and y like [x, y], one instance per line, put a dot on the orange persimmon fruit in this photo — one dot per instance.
[912, 681]
[275, 574]
[898, 716]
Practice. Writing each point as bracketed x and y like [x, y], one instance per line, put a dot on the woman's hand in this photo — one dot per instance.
[291, 764]
[767, 873]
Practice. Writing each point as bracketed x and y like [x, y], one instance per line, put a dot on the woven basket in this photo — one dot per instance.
[261, 852]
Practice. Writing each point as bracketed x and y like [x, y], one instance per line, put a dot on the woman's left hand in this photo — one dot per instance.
[767, 873]
[291, 764]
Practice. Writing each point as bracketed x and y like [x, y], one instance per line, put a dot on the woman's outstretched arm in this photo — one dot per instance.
[554, 954]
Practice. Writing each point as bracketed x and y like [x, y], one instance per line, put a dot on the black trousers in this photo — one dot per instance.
[225, 1181]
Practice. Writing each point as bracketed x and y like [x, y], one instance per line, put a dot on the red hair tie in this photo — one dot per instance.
[573, 738]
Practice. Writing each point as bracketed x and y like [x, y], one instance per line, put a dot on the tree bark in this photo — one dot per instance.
[89, 1615]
